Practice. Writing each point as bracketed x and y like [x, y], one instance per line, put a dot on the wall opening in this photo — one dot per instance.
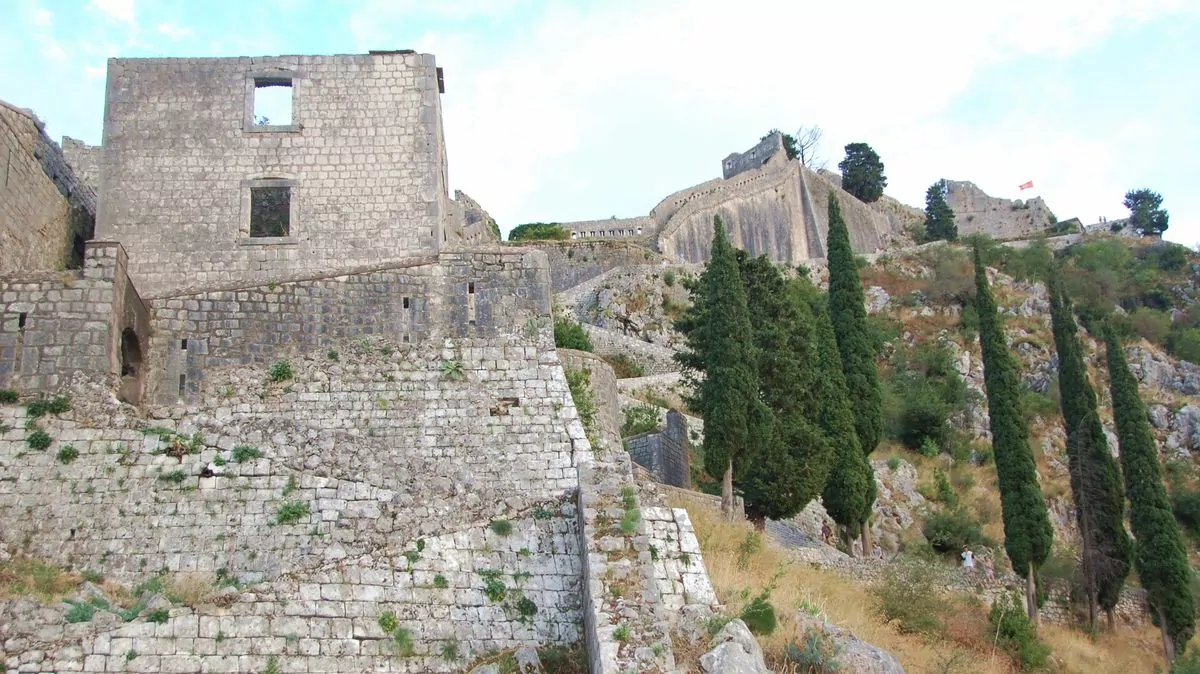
[182, 384]
[131, 367]
[22, 318]
[270, 211]
[471, 288]
[405, 302]
[183, 345]
[273, 98]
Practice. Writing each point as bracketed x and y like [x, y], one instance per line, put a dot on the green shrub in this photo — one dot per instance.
[569, 334]
[291, 512]
[402, 640]
[452, 370]
[669, 277]
[526, 609]
[1186, 505]
[158, 615]
[1016, 634]
[759, 615]
[818, 654]
[67, 454]
[41, 407]
[909, 596]
[38, 439]
[280, 371]
[639, 419]
[8, 396]
[1185, 344]
[629, 522]
[621, 634]
[945, 492]
[243, 453]
[1151, 325]
[624, 367]
[539, 231]
[501, 528]
[388, 622]
[952, 529]
[579, 382]
[493, 588]
[450, 651]
[1188, 663]
[440, 582]
[80, 612]
[174, 477]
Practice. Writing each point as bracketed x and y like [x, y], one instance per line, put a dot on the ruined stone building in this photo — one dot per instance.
[301, 371]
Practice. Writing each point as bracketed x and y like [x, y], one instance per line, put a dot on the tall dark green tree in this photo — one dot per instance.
[1160, 555]
[862, 172]
[848, 313]
[1027, 532]
[939, 217]
[721, 345]
[791, 468]
[849, 494]
[1095, 477]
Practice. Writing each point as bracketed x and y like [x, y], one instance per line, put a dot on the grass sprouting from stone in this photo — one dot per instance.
[629, 523]
[38, 439]
[291, 512]
[440, 582]
[243, 453]
[281, 370]
[403, 641]
[8, 396]
[388, 622]
[67, 454]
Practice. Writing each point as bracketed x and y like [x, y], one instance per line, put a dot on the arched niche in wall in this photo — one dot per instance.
[133, 373]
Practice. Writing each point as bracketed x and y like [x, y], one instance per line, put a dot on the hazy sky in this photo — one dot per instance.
[577, 110]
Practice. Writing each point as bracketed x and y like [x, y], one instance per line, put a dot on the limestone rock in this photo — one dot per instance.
[853, 654]
[1185, 429]
[735, 651]
[528, 661]
[877, 299]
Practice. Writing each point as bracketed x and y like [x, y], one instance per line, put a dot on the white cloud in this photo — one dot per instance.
[51, 49]
[117, 10]
[173, 32]
[43, 18]
[647, 97]
[95, 72]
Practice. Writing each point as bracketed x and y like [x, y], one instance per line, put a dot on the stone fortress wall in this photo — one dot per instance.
[363, 155]
[46, 210]
[976, 212]
[423, 404]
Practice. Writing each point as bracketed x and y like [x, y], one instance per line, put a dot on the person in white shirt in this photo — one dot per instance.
[968, 559]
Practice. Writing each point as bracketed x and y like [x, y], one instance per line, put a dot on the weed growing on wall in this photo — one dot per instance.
[280, 371]
[67, 454]
[452, 370]
[243, 453]
[38, 439]
[292, 512]
[8, 396]
[502, 528]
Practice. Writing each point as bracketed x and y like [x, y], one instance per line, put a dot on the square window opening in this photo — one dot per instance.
[405, 302]
[183, 345]
[471, 288]
[270, 211]
[273, 102]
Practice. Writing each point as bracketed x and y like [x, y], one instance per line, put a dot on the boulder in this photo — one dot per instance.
[852, 654]
[735, 651]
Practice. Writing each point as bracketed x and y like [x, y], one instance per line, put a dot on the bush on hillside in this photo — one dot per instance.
[539, 231]
[623, 366]
[570, 335]
[908, 597]
[639, 419]
[1016, 634]
[1152, 325]
[952, 529]
[1186, 504]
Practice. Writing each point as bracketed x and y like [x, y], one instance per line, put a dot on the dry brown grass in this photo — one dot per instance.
[191, 588]
[964, 647]
[23, 576]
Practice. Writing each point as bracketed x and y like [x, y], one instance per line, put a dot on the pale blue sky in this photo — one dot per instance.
[577, 110]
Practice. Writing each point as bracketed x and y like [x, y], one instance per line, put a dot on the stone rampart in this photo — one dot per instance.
[85, 160]
[653, 358]
[572, 263]
[464, 294]
[664, 452]
[362, 156]
[768, 149]
[46, 211]
[55, 325]
[976, 212]
[626, 228]
[468, 224]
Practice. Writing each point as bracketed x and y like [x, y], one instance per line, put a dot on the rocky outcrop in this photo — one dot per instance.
[851, 653]
[735, 651]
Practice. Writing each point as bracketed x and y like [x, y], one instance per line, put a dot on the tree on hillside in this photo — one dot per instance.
[1027, 532]
[533, 231]
[849, 493]
[939, 217]
[720, 344]
[802, 146]
[1095, 477]
[862, 173]
[789, 470]
[848, 313]
[1160, 554]
[1146, 215]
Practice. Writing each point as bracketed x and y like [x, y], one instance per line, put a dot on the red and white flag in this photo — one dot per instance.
[1027, 185]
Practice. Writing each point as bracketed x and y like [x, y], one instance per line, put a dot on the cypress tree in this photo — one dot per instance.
[849, 493]
[939, 217]
[1095, 478]
[1160, 555]
[1027, 532]
[721, 343]
[848, 313]
[791, 467]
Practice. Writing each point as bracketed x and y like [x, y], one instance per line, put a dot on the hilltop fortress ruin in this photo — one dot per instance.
[274, 358]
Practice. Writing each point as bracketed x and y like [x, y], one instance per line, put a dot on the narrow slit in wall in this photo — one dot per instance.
[182, 384]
